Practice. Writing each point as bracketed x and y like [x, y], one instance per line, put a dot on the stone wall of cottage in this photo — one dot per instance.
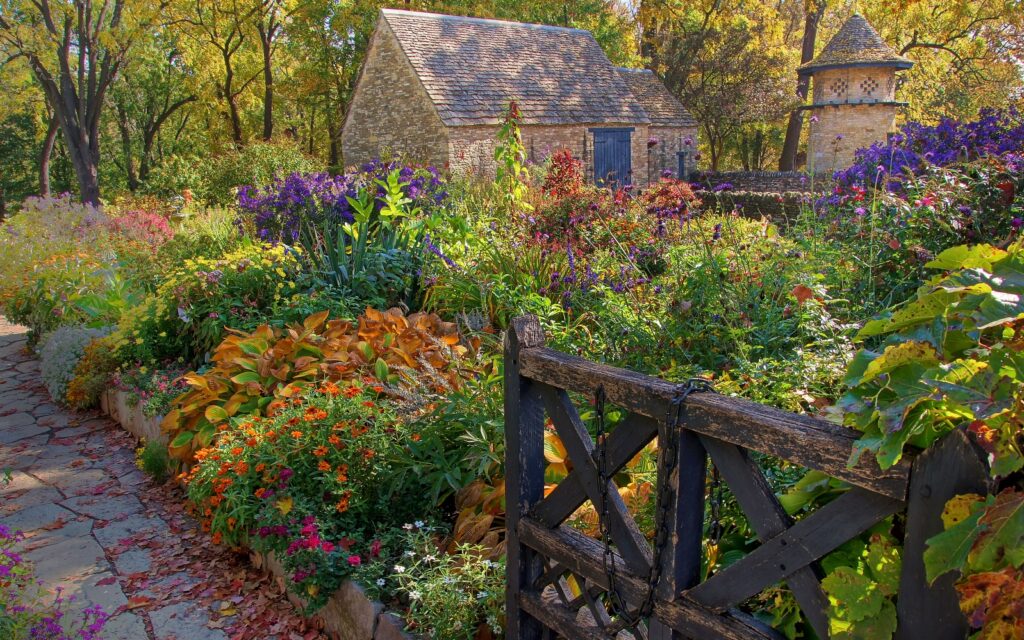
[471, 148]
[391, 112]
[663, 147]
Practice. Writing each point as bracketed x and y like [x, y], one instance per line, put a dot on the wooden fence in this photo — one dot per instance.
[543, 552]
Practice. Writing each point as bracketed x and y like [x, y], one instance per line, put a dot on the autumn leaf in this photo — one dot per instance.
[802, 293]
[284, 505]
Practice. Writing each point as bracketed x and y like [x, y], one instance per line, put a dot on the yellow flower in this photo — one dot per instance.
[139, 340]
[163, 334]
[281, 272]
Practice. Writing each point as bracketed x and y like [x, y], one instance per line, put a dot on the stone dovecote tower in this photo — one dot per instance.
[854, 98]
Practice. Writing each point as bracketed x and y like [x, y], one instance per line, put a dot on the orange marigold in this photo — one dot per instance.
[333, 439]
[342, 505]
[320, 451]
[342, 475]
[217, 537]
[260, 467]
[259, 493]
[241, 467]
[313, 414]
[353, 391]
[330, 388]
[296, 434]
[237, 451]
[324, 465]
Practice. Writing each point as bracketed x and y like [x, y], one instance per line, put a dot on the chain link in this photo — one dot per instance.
[668, 443]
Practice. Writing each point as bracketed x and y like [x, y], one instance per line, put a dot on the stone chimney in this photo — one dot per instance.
[854, 99]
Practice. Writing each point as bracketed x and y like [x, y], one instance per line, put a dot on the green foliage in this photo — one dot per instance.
[185, 318]
[451, 596]
[861, 582]
[512, 175]
[255, 164]
[152, 458]
[950, 361]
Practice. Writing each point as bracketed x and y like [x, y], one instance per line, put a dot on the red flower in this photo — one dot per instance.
[355, 560]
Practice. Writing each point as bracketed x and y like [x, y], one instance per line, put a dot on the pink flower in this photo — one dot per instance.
[375, 548]
[355, 560]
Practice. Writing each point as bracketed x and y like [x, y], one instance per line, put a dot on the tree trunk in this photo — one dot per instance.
[44, 156]
[813, 10]
[231, 99]
[268, 85]
[126, 149]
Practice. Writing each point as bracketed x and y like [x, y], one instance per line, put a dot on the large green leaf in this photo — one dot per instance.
[948, 551]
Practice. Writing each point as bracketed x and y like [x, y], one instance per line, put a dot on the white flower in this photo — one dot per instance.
[407, 526]
[415, 595]
[381, 582]
[399, 568]
[419, 524]
[481, 595]
[448, 580]
[430, 558]
[410, 554]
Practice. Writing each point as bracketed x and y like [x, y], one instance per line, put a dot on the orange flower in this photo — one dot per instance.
[217, 538]
[369, 403]
[333, 439]
[330, 388]
[416, 437]
[237, 451]
[378, 388]
[353, 391]
[260, 467]
[342, 505]
[320, 451]
[260, 492]
[241, 467]
[296, 434]
[324, 465]
[251, 442]
[215, 501]
[313, 414]
[368, 454]
[293, 421]
[222, 427]
[232, 522]
[342, 475]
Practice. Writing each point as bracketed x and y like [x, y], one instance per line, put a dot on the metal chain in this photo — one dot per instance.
[668, 442]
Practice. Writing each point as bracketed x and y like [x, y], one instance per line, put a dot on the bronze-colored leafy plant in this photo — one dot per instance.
[256, 373]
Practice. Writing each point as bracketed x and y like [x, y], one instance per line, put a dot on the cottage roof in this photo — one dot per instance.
[663, 108]
[471, 68]
[857, 44]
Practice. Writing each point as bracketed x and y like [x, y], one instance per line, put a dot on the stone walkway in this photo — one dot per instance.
[102, 530]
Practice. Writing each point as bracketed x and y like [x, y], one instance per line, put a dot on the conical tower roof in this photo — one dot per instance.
[857, 44]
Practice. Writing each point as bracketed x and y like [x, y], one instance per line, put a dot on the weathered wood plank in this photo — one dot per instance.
[803, 543]
[806, 441]
[584, 557]
[949, 468]
[524, 472]
[563, 621]
[627, 439]
[766, 515]
[621, 526]
[681, 564]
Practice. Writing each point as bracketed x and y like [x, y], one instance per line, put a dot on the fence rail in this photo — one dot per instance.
[558, 578]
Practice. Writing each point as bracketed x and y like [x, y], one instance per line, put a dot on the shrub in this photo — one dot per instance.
[152, 458]
[259, 372]
[451, 596]
[92, 374]
[257, 164]
[59, 354]
[187, 315]
[309, 483]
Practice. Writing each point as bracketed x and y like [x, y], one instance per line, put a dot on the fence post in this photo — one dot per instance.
[524, 472]
[950, 467]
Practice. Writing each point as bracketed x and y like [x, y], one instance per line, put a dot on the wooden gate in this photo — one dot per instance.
[543, 553]
[613, 156]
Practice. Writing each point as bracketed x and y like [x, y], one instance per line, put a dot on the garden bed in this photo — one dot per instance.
[348, 614]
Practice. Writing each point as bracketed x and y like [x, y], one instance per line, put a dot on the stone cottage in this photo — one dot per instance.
[435, 87]
[854, 99]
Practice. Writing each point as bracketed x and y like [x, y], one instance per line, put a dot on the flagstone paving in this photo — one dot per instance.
[106, 534]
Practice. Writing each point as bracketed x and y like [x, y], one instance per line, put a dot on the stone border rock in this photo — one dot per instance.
[348, 614]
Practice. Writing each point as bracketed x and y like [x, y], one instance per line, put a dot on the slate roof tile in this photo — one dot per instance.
[856, 44]
[473, 67]
[663, 108]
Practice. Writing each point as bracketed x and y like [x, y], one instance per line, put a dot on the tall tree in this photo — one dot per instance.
[75, 50]
[813, 11]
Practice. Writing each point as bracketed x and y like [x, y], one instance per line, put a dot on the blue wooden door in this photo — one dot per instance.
[613, 162]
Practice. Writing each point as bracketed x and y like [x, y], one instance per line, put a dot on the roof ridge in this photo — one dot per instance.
[494, 21]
